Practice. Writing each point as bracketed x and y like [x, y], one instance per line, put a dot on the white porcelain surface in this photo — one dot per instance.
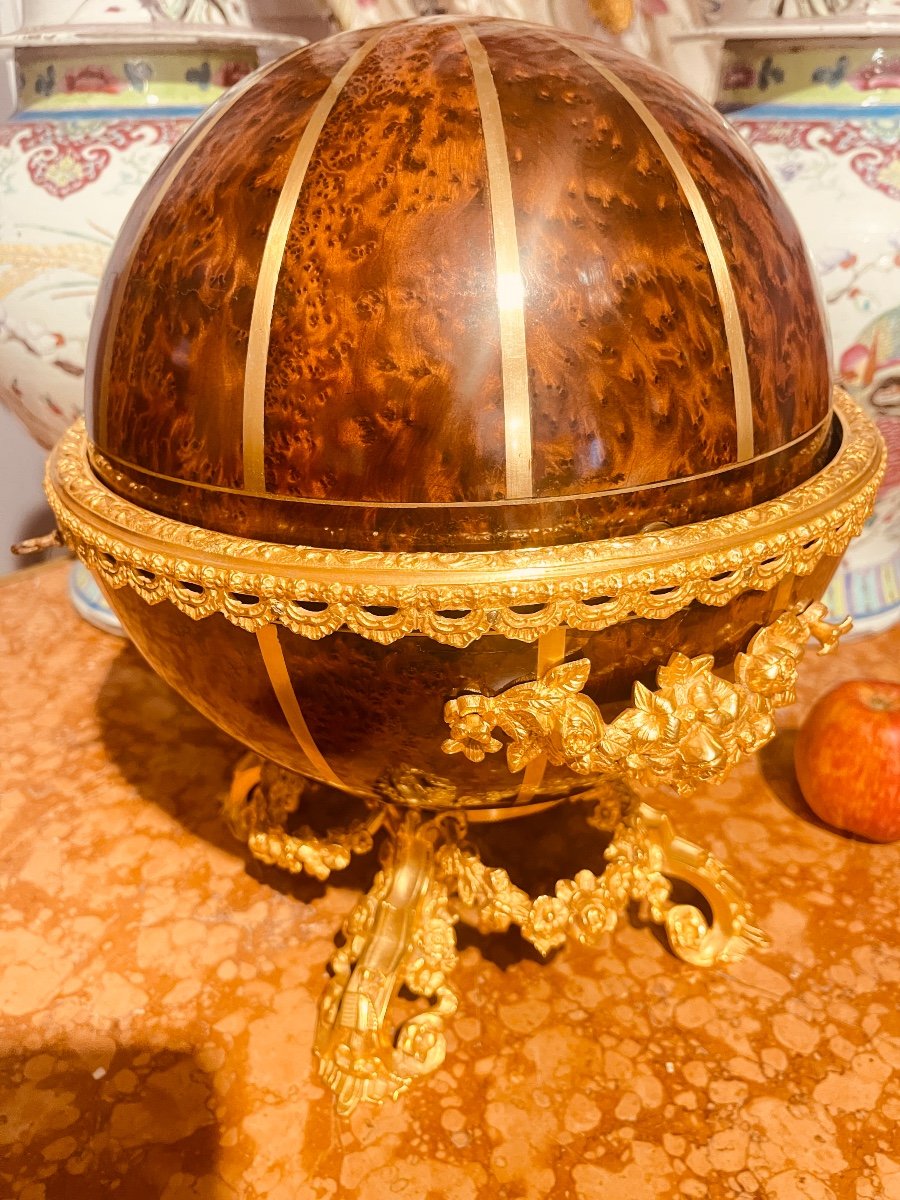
[139, 12]
[785, 14]
[825, 119]
[89, 602]
[792, 19]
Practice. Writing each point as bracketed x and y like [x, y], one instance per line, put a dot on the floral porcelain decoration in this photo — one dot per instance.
[824, 116]
[89, 129]
[104, 91]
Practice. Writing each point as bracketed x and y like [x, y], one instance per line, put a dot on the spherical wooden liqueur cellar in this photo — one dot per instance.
[460, 437]
[444, 287]
[453, 287]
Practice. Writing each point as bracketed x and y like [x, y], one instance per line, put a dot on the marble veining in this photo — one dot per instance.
[157, 990]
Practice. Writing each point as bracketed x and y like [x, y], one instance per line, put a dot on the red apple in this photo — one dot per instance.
[848, 758]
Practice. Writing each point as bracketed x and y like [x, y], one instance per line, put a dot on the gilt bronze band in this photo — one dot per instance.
[458, 598]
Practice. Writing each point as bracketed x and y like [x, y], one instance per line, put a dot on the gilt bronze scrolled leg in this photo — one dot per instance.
[400, 933]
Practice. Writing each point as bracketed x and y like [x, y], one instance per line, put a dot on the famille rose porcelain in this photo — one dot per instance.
[823, 113]
[103, 93]
[100, 102]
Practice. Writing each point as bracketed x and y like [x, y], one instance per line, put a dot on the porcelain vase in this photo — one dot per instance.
[824, 116]
[103, 92]
[91, 124]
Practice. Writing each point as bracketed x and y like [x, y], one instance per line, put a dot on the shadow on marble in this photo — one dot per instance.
[182, 764]
[537, 853]
[165, 750]
[776, 766]
[82, 1121]
[177, 760]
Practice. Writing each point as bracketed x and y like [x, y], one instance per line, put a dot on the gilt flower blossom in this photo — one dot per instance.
[546, 925]
[471, 735]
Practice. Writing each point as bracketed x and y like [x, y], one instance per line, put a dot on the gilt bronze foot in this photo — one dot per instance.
[402, 932]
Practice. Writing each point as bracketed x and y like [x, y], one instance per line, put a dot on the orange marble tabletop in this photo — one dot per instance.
[158, 988]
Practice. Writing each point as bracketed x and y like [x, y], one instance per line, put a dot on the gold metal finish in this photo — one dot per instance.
[693, 730]
[642, 859]
[731, 317]
[653, 574]
[36, 545]
[510, 284]
[510, 812]
[615, 15]
[270, 269]
[551, 652]
[401, 934]
[408, 786]
[263, 797]
[276, 669]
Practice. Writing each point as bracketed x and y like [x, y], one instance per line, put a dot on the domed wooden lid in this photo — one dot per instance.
[457, 284]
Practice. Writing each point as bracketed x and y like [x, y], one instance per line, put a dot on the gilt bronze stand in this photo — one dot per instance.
[241, 627]
[692, 729]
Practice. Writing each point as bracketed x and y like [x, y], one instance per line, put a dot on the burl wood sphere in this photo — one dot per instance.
[450, 286]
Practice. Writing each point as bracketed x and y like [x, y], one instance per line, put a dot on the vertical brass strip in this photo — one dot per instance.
[276, 669]
[781, 596]
[171, 165]
[734, 334]
[551, 652]
[270, 269]
[510, 285]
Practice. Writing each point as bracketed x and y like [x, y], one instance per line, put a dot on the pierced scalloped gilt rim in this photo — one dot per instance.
[457, 598]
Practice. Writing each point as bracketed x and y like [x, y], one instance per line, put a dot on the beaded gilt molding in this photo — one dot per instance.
[458, 598]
